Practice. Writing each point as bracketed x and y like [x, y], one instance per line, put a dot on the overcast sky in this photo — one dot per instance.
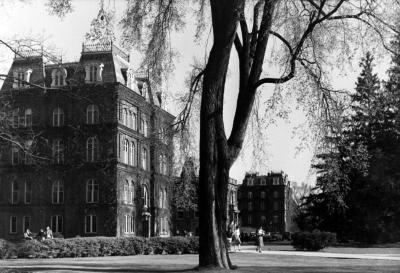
[67, 35]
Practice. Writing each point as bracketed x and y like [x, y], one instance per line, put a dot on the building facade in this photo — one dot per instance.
[90, 148]
[267, 201]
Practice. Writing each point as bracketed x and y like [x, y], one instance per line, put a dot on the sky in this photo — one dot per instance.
[281, 146]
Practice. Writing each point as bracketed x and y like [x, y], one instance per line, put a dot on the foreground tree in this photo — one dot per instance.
[308, 30]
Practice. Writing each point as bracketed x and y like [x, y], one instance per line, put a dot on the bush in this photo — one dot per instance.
[103, 246]
[315, 240]
[7, 249]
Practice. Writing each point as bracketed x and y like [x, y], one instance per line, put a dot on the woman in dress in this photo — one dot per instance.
[260, 239]
[49, 233]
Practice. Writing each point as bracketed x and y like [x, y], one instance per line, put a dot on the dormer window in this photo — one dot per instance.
[21, 77]
[58, 77]
[94, 73]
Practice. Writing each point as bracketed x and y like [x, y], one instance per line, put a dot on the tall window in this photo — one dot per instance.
[90, 224]
[262, 195]
[58, 151]
[134, 119]
[144, 159]
[21, 78]
[130, 119]
[129, 224]
[232, 198]
[13, 224]
[92, 146]
[145, 196]
[58, 192]
[249, 219]
[26, 223]
[275, 219]
[28, 117]
[163, 164]
[161, 199]
[58, 117]
[250, 195]
[57, 223]
[132, 192]
[142, 125]
[126, 151]
[132, 153]
[263, 220]
[92, 191]
[249, 206]
[146, 129]
[15, 118]
[126, 192]
[125, 117]
[276, 205]
[93, 73]
[276, 194]
[14, 155]
[92, 114]
[14, 192]
[28, 193]
[262, 205]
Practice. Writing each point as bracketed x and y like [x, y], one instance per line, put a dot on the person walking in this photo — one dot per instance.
[236, 236]
[260, 239]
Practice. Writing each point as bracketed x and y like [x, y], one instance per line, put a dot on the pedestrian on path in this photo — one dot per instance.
[236, 238]
[260, 239]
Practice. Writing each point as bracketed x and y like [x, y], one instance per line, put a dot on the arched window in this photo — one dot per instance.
[160, 163]
[130, 119]
[132, 193]
[132, 153]
[58, 151]
[126, 192]
[92, 146]
[145, 196]
[126, 151]
[58, 192]
[144, 159]
[28, 117]
[92, 191]
[92, 114]
[58, 117]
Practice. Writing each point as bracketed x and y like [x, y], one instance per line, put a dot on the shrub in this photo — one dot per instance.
[7, 249]
[99, 246]
[315, 240]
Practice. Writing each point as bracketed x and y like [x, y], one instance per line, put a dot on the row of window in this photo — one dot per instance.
[130, 155]
[57, 224]
[262, 181]
[128, 116]
[262, 194]
[57, 117]
[58, 149]
[250, 206]
[92, 193]
[263, 219]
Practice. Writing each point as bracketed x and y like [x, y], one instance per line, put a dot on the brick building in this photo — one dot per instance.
[188, 220]
[93, 150]
[266, 200]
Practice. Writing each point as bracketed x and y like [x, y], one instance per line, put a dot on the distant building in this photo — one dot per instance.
[188, 220]
[95, 151]
[267, 201]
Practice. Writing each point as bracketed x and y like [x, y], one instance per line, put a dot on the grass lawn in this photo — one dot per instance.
[246, 262]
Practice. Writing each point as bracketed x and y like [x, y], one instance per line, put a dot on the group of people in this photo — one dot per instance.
[233, 237]
[41, 236]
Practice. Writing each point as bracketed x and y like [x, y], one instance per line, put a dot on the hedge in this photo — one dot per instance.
[315, 240]
[99, 246]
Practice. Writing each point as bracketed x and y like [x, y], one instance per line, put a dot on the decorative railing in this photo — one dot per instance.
[107, 46]
[28, 53]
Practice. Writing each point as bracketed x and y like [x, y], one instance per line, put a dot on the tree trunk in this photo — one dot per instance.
[214, 159]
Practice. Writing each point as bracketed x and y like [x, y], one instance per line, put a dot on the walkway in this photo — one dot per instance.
[391, 257]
